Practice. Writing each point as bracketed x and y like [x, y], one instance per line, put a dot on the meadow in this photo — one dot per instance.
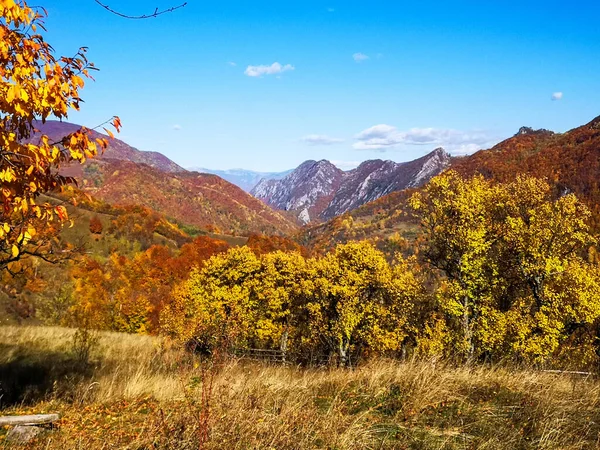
[138, 392]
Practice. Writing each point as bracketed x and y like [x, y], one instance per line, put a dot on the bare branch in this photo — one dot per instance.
[156, 12]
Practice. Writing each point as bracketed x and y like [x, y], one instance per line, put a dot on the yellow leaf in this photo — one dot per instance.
[10, 95]
[15, 251]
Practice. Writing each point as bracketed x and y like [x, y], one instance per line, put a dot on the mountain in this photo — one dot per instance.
[570, 161]
[206, 201]
[376, 178]
[124, 175]
[246, 179]
[117, 149]
[306, 191]
[319, 190]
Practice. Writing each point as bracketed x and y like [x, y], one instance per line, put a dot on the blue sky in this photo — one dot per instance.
[265, 85]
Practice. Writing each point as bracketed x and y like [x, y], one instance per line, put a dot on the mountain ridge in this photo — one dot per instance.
[117, 149]
[570, 161]
[319, 190]
[124, 175]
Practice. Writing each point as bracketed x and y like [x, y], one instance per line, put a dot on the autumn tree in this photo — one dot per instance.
[35, 85]
[515, 278]
[357, 304]
[128, 293]
[351, 302]
[216, 304]
[457, 240]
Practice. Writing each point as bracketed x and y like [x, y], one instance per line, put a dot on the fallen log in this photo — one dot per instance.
[36, 419]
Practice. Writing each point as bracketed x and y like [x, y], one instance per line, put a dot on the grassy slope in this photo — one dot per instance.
[138, 393]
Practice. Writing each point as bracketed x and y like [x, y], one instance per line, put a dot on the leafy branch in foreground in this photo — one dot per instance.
[35, 85]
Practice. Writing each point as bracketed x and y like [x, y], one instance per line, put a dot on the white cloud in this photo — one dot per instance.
[360, 57]
[232, 64]
[177, 127]
[385, 137]
[273, 69]
[345, 165]
[557, 96]
[320, 139]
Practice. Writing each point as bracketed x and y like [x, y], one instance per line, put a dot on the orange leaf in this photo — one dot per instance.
[109, 133]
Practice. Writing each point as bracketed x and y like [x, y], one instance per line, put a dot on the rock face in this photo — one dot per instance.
[528, 130]
[306, 191]
[319, 190]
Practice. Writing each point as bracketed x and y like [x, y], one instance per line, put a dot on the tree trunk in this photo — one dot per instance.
[283, 345]
[343, 352]
[467, 331]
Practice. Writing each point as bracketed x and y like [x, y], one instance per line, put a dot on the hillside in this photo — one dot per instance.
[202, 200]
[320, 191]
[570, 160]
[127, 176]
[117, 149]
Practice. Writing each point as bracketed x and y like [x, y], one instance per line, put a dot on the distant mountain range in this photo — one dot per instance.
[318, 190]
[246, 179]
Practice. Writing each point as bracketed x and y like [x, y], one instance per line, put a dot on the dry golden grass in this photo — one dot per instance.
[141, 394]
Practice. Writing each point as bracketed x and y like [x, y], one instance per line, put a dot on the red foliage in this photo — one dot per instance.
[261, 244]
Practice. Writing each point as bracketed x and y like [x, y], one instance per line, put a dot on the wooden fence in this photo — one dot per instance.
[259, 354]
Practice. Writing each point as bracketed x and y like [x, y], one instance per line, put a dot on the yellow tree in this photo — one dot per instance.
[238, 298]
[34, 85]
[457, 239]
[512, 259]
[543, 241]
[542, 236]
[216, 304]
[279, 298]
[356, 303]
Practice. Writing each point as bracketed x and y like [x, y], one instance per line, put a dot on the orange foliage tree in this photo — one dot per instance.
[34, 85]
[128, 294]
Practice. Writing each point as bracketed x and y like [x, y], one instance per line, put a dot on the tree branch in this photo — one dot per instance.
[156, 12]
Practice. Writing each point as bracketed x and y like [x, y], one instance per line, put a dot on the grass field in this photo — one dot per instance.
[137, 392]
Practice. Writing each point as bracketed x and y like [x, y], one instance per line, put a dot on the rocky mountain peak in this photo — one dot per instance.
[319, 190]
[528, 131]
